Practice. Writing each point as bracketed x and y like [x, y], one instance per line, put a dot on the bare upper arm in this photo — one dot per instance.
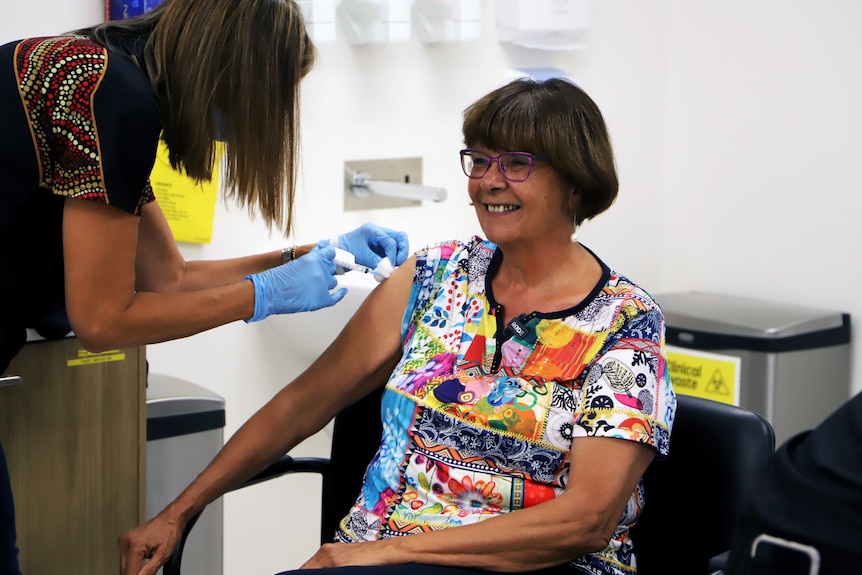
[363, 355]
[109, 254]
[159, 264]
[373, 334]
[99, 245]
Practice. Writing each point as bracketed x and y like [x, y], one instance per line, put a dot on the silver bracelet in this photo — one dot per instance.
[288, 254]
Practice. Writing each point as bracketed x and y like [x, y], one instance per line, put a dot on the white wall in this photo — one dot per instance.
[735, 126]
[762, 187]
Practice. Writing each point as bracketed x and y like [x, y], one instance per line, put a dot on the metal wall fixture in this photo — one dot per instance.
[392, 183]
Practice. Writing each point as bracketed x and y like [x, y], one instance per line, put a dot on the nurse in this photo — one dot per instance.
[83, 243]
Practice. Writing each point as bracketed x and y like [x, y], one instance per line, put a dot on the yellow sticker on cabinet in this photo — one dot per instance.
[702, 374]
[87, 358]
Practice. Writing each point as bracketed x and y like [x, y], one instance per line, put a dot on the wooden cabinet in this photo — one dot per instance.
[74, 432]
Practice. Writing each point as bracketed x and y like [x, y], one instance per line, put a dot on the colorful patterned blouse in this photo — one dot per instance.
[478, 417]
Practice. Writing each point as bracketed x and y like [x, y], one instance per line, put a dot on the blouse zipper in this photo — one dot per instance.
[496, 311]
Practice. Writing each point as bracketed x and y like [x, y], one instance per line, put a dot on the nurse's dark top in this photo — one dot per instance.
[78, 121]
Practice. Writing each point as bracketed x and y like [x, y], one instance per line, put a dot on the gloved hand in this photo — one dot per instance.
[301, 285]
[370, 243]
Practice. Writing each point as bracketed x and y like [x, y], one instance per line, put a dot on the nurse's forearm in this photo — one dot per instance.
[204, 274]
[157, 317]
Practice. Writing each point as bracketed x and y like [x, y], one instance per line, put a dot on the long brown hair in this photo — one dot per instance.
[555, 119]
[243, 59]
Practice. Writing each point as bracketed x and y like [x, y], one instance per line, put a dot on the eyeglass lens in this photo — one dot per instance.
[514, 166]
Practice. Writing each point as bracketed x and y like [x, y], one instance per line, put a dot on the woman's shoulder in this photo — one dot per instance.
[622, 283]
[37, 53]
[447, 248]
[74, 57]
[456, 253]
[125, 85]
[621, 287]
[66, 50]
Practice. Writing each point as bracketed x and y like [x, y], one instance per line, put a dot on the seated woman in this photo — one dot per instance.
[526, 383]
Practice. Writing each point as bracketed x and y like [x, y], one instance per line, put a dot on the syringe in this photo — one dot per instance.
[345, 261]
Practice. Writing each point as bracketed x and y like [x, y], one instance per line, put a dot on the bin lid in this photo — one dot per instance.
[734, 322]
[168, 395]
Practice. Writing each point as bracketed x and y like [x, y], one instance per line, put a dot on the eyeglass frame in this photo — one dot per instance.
[491, 159]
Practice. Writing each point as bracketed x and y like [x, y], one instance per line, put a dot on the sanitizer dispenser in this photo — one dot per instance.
[543, 24]
[447, 20]
[375, 21]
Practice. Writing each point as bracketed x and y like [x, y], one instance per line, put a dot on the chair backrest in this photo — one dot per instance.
[694, 498]
[356, 435]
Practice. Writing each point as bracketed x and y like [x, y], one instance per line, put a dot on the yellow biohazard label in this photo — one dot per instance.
[702, 374]
[87, 358]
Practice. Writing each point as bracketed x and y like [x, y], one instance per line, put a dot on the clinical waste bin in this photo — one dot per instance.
[185, 430]
[789, 363]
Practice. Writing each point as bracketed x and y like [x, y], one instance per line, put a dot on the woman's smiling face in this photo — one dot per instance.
[527, 211]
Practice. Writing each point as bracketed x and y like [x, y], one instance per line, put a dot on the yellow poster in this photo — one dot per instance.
[189, 206]
[702, 374]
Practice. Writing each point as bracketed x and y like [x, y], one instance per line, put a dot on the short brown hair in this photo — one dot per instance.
[553, 118]
[244, 57]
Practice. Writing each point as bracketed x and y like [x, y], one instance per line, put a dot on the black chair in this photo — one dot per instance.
[694, 497]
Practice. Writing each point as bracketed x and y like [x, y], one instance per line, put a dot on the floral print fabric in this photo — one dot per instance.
[478, 417]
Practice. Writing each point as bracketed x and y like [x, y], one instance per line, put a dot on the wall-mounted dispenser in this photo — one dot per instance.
[540, 74]
[319, 17]
[543, 24]
[447, 20]
[375, 21]
[373, 184]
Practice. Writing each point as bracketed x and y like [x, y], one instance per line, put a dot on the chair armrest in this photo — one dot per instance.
[718, 564]
[286, 464]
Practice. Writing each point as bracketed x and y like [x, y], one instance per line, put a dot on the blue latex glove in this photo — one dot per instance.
[370, 243]
[301, 285]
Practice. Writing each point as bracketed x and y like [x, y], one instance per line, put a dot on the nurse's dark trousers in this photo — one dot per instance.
[8, 550]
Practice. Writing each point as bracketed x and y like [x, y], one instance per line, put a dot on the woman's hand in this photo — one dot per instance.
[144, 549]
[370, 243]
[301, 285]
